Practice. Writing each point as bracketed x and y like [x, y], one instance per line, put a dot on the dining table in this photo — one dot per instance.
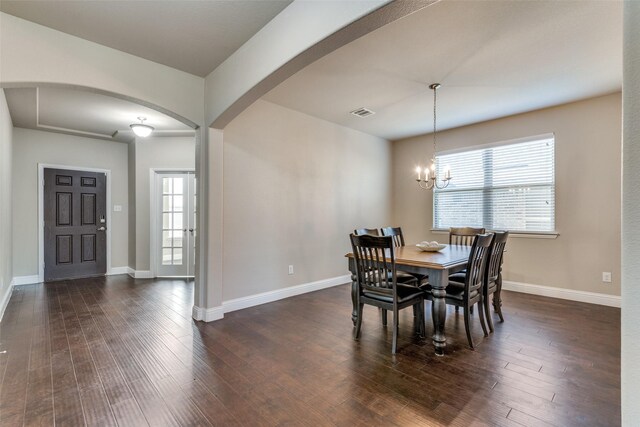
[438, 266]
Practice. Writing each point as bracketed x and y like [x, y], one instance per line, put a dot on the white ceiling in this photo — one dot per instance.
[193, 36]
[83, 113]
[493, 58]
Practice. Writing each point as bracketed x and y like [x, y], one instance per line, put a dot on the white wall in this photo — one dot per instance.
[630, 352]
[6, 234]
[155, 153]
[32, 147]
[588, 151]
[32, 53]
[294, 188]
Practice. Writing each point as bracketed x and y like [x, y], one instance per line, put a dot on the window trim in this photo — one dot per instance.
[498, 144]
[518, 234]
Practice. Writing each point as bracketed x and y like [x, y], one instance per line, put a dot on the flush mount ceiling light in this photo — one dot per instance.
[140, 129]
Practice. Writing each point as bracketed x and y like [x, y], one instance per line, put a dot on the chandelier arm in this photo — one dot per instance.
[426, 184]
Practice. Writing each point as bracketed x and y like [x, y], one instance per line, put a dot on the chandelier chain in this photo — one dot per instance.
[435, 131]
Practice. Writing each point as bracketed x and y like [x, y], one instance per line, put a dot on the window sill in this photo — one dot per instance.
[532, 235]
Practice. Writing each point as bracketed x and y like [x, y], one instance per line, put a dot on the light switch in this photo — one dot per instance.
[117, 208]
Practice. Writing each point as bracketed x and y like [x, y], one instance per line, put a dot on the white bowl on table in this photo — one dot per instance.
[430, 246]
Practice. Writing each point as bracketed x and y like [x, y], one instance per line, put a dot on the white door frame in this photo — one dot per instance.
[153, 212]
[41, 168]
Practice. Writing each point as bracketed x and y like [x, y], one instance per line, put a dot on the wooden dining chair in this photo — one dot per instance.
[463, 235]
[398, 240]
[402, 277]
[395, 233]
[377, 284]
[493, 276]
[470, 292]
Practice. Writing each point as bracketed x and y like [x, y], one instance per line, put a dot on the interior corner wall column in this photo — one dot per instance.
[216, 238]
[299, 35]
[630, 352]
[209, 172]
[202, 172]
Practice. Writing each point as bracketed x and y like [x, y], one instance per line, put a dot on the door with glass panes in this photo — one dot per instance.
[177, 224]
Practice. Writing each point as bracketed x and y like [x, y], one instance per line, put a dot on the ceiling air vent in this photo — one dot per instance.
[362, 112]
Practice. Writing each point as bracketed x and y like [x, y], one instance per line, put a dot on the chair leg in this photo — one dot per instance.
[481, 315]
[467, 326]
[384, 317]
[418, 319]
[497, 304]
[394, 342]
[471, 309]
[423, 320]
[457, 309]
[356, 333]
[487, 312]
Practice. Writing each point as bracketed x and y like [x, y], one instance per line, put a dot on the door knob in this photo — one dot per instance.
[102, 229]
[191, 230]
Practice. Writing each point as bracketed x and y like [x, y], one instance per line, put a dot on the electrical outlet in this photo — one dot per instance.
[291, 269]
[117, 208]
[606, 276]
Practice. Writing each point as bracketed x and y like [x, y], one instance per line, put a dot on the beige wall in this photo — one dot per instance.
[630, 313]
[294, 188]
[6, 235]
[32, 147]
[588, 152]
[155, 153]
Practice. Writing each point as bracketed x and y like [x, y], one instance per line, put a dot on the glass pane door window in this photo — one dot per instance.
[176, 230]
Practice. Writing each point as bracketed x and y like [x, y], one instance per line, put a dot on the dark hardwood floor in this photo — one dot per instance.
[117, 351]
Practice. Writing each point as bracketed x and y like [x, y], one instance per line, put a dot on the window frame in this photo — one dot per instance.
[527, 234]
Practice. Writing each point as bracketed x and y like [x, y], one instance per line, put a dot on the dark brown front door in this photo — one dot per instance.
[75, 224]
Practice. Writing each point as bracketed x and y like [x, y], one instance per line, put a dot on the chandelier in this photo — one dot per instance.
[431, 179]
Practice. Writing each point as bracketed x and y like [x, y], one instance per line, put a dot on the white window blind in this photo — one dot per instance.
[500, 187]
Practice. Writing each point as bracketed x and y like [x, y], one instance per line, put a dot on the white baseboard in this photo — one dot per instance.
[4, 301]
[217, 313]
[118, 270]
[563, 293]
[266, 297]
[139, 274]
[207, 314]
[25, 280]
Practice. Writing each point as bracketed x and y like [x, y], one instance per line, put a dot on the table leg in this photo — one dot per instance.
[438, 280]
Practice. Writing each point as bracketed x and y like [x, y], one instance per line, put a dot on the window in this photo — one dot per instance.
[509, 186]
